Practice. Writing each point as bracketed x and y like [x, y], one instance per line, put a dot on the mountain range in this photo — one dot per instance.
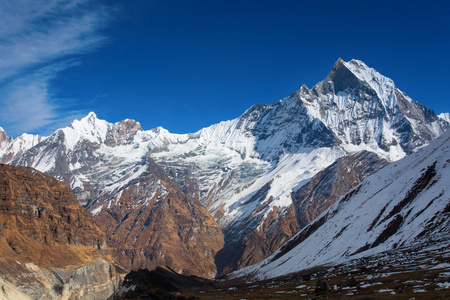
[230, 195]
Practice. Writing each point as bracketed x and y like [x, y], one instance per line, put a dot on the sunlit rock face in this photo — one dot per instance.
[37, 209]
[151, 222]
[50, 245]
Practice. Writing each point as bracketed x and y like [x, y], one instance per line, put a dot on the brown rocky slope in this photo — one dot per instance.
[327, 186]
[47, 237]
[153, 222]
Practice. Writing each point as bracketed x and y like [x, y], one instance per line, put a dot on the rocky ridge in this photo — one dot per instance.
[327, 186]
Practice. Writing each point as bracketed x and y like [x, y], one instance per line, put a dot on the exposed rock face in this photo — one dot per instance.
[4, 139]
[96, 279]
[49, 239]
[40, 214]
[259, 243]
[327, 186]
[153, 223]
[122, 133]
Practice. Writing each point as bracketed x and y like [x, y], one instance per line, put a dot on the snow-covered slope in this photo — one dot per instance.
[405, 203]
[445, 117]
[245, 170]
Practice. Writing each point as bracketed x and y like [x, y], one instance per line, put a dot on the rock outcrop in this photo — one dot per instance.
[327, 186]
[153, 223]
[50, 246]
[4, 139]
[274, 230]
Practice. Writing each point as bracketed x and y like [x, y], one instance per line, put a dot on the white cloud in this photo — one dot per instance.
[27, 105]
[36, 38]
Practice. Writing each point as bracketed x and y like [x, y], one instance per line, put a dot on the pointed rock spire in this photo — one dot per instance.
[340, 78]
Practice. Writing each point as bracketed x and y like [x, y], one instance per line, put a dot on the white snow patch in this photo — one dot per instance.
[445, 117]
[443, 285]
[96, 211]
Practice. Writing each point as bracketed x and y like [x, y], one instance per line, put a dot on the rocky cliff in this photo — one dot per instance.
[327, 186]
[153, 222]
[49, 245]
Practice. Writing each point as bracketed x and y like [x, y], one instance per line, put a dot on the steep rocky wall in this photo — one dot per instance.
[50, 247]
[154, 223]
[94, 280]
[326, 187]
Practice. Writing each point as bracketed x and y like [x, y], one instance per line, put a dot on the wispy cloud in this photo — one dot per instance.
[27, 104]
[37, 39]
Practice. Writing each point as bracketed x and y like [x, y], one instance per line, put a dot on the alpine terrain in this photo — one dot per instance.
[400, 214]
[386, 238]
[231, 194]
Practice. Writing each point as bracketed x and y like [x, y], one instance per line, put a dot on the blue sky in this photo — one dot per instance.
[187, 64]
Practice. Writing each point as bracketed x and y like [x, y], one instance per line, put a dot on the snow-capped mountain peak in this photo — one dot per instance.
[383, 85]
[365, 110]
[245, 170]
[355, 74]
[4, 139]
[89, 128]
[12, 148]
[98, 131]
